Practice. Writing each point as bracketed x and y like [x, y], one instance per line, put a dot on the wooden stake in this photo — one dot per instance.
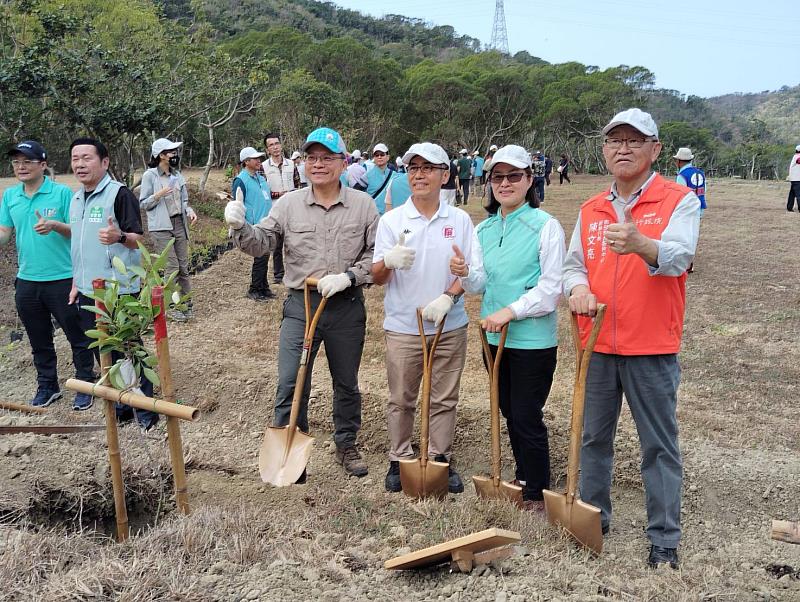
[786, 531]
[168, 393]
[18, 407]
[112, 435]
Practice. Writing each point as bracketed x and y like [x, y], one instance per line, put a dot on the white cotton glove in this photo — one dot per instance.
[234, 214]
[399, 257]
[436, 310]
[333, 283]
[191, 214]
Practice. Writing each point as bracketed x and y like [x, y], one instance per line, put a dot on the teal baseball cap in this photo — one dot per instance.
[330, 139]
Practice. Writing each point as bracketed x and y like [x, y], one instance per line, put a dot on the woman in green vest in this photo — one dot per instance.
[515, 263]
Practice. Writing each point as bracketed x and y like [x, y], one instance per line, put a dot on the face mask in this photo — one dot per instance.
[174, 161]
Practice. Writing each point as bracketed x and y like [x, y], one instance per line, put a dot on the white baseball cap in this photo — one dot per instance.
[248, 152]
[511, 154]
[356, 154]
[380, 148]
[493, 147]
[296, 155]
[684, 154]
[797, 148]
[433, 153]
[463, 151]
[635, 118]
[162, 145]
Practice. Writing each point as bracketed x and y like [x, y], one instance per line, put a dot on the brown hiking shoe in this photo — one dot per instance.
[352, 461]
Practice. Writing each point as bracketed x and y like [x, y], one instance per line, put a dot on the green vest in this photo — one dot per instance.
[511, 261]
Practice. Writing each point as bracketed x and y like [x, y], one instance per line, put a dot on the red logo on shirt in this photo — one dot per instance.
[449, 232]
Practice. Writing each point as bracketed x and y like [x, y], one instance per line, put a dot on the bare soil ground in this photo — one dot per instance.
[327, 540]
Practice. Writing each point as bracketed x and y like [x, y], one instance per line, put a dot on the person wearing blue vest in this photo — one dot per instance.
[105, 223]
[693, 177]
[515, 262]
[37, 210]
[257, 204]
[379, 176]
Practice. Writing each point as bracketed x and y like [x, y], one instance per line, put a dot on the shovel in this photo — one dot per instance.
[581, 520]
[493, 487]
[286, 450]
[424, 477]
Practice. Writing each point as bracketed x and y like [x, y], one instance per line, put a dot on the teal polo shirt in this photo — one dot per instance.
[41, 258]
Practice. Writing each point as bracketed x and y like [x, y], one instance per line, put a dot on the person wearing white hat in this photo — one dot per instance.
[356, 172]
[794, 179]
[630, 250]
[693, 178]
[412, 249]
[256, 193]
[379, 176]
[164, 197]
[300, 165]
[515, 263]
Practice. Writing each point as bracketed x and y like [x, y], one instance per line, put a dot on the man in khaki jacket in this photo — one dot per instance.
[328, 233]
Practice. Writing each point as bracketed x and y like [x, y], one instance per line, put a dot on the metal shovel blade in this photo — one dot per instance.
[579, 519]
[282, 459]
[424, 480]
[487, 489]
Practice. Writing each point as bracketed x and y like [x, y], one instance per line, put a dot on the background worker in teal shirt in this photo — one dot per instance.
[37, 209]
[379, 176]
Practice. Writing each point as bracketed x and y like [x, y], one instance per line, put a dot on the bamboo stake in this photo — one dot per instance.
[168, 393]
[140, 402]
[112, 435]
[786, 531]
[18, 407]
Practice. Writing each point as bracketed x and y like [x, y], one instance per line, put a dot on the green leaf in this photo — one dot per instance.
[96, 334]
[152, 376]
[96, 310]
[151, 361]
[119, 265]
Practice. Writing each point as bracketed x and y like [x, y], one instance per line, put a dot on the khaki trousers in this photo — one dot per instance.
[178, 258]
[404, 373]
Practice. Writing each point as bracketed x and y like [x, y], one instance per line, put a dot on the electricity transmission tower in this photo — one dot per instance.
[499, 32]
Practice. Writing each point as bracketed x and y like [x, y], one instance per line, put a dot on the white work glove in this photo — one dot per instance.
[436, 310]
[333, 283]
[399, 257]
[234, 214]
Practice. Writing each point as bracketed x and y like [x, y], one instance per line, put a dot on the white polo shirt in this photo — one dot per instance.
[430, 275]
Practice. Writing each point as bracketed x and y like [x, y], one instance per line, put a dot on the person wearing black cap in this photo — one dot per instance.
[37, 209]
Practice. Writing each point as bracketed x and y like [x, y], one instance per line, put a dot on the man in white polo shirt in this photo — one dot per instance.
[413, 248]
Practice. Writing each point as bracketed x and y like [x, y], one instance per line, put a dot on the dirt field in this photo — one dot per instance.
[327, 540]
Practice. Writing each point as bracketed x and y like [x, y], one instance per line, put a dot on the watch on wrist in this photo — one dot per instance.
[123, 238]
[352, 277]
[453, 297]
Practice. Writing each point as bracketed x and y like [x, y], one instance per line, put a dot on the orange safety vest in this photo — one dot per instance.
[644, 314]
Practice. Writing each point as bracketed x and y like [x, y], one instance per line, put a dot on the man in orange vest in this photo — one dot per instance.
[630, 250]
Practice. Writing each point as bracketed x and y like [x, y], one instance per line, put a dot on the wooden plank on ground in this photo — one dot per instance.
[443, 552]
[786, 531]
[18, 407]
[50, 429]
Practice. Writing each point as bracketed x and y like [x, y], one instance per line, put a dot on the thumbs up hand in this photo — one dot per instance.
[43, 226]
[458, 264]
[399, 257]
[625, 238]
[110, 234]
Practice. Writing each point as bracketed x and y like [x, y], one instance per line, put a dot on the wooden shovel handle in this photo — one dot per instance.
[428, 353]
[579, 397]
[493, 366]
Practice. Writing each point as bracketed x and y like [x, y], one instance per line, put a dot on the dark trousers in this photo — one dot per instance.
[36, 302]
[124, 412]
[794, 195]
[563, 176]
[539, 184]
[342, 328]
[464, 190]
[277, 262]
[526, 376]
[259, 282]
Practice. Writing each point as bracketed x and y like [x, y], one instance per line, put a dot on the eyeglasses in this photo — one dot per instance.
[324, 159]
[379, 154]
[632, 142]
[513, 178]
[23, 162]
[425, 169]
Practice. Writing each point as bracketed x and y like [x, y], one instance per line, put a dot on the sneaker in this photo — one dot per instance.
[256, 296]
[351, 460]
[454, 482]
[82, 401]
[659, 555]
[189, 313]
[278, 280]
[177, 315]
[45, 396]
[148, 426]
[392, 482]
[268, 294]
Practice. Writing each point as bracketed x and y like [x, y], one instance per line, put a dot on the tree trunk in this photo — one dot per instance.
[209, 161]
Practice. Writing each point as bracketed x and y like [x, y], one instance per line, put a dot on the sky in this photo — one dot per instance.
[700, 47]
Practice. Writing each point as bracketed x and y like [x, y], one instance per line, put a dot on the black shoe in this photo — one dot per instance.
[278, 280]
[659, 555]
[45, 396]
[454, 482]
[301, 480]
[605, 529]
[392, 482]
[268, 294]
[148, 425]
[254, 295]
